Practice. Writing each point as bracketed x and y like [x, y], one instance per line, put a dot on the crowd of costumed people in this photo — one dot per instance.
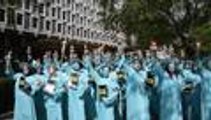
[137, 85]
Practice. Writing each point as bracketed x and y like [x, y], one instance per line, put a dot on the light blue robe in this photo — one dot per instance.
[120, 104]
[34, 81]
[105, 107]
[89, 97]
[191, 101]
[76, 109]
[137, 96]
[57, 63]
[65, 67]
[24, 104]
[53, 102]
[188, 75]
[39, 95]
[206, 95]
[170, 101]
[46, 62]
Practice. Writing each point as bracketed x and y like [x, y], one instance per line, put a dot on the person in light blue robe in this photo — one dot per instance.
[206, 91]
[53, 98]
[191, 98]
[75, 92]
[24, 105]
[8, 64]
[89, 97]
[120, 108]
[55, 59]
[47, 60]
[136, 93]
[105, 105]
[170, 98]
[65, 66]
[39, 81]
[149, 73]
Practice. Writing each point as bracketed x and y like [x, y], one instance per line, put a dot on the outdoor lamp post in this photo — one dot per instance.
[64, 43]
[198, 45]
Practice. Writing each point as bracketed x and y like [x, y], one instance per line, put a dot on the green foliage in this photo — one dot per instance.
[203, 35]
[203, 31]
[164, 20]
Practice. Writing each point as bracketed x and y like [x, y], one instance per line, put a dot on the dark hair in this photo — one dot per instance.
[168, 71]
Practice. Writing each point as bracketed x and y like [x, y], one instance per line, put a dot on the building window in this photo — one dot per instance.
[81, 7]
[81, 32]
[41, 9]
[47, 25]
[100, 36]
[73, 18]
[95, 35]
[59, 13]
[77, 18]
[26, 20]
[10, 16]
[64, 2]
[68, 16]
[85, 33]
[19, 3]
[41, 23]
[77, 7]
[85, 21]
[2, 2]
[27, 4]
[64, 28]
[92, 35]
[54, 26]
[34, 22]
[53, 12]
[19, 19]
[58, 1]
[11, 2]
[59, 27]
[73, 30]
[89, 22]
[2, 15]
[84, 10]
[34, 2]
[78, 32]
[69, 29]
[34, 8]
[88, 34]
[47, 8]
[68, 2]
[64, 15]
[81, 20]
[73, 7]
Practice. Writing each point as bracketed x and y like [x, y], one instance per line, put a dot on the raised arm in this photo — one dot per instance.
[120, 63]
[91, 69]
[158, 70]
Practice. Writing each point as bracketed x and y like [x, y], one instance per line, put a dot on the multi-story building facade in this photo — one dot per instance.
[64, 19]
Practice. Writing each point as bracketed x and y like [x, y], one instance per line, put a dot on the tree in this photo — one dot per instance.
[203, 35]
[165, 20]
[110, 16]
